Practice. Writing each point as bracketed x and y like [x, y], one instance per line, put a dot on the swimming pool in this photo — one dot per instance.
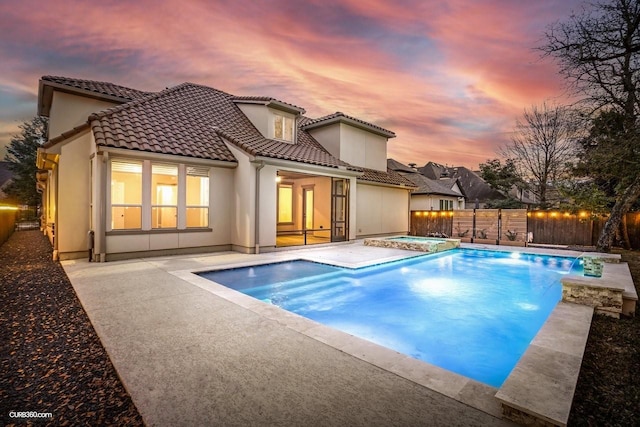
[473, 312]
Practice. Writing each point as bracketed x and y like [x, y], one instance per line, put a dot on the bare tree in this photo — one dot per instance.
[542, 147]
[599, 54]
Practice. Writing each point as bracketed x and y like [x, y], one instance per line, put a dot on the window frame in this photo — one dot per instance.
[290, 186]
[126, 205]
[283, 127]
[158, 204]
[146, 206]
[208, 194]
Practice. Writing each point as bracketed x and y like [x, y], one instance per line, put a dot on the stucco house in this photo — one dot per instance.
[190, 169]
[443, 194]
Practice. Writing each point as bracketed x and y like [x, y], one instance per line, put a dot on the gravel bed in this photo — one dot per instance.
[50, 356]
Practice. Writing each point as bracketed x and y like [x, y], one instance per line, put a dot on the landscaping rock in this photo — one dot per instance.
[51, 359]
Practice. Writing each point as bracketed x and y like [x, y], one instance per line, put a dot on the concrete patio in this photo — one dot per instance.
[191, 352]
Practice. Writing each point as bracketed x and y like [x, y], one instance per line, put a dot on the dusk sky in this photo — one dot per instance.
[448, 77]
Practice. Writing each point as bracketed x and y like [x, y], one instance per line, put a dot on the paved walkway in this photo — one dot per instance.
[189, 356]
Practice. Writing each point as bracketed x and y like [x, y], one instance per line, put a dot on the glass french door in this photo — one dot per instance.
[339, 209]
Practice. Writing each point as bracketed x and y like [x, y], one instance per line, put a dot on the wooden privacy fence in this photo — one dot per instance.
[507, 226]
[517, 226]
[7, 222]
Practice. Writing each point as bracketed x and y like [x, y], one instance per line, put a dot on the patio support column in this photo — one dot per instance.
[101, 206]
[256, 213]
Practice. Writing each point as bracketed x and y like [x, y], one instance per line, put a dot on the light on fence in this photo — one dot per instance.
[583, 214]
[8, 208]
[554, 214]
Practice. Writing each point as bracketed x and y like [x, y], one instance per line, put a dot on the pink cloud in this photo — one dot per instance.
[448, 77]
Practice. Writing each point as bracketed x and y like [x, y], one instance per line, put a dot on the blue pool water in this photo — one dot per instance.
[473, 312]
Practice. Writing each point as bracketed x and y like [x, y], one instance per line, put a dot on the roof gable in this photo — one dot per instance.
[195, 121]
[97, 87]
[88, 88]
[191, 120]
[339, 117]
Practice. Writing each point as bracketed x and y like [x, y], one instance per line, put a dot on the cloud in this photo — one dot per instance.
[448, 77]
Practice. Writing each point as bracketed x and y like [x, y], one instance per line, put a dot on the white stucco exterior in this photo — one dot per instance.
[381, 210]
[243, 194]
[353, 145]
[69, 111]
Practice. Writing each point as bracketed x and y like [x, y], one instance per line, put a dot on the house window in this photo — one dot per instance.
[197, 197]
[446, 205]
[164, 196]
[126, 195]
[158, 196]
[285, 203]
[283, 128]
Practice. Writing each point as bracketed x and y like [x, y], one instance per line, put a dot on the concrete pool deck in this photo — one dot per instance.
[191, 352]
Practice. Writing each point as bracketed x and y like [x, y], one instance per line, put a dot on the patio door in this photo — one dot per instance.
[339, 209]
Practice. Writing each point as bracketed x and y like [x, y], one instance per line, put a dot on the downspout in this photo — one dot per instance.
[256, 215]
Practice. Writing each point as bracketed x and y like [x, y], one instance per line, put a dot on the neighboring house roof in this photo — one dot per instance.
[431, 186]
[423, 184]
[389, 177]
[399, 167]
[471, 184]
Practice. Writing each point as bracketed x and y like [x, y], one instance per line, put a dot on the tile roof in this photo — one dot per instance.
[190, 120]
[341, 117]
[389, 177]
[430, 186]
[399, 167]
[193, 120]
[471, 184]
[103, 88]
[267, 100]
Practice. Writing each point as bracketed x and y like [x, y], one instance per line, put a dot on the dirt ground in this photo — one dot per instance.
[608, 390]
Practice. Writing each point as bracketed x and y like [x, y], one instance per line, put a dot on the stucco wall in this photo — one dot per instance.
[74, 194]
[69, 111]
[258, 115]
[381, 210]
[241, 201]
[221, 219]
[362, 148]
[425, 202]
[329, 138]
[353, 145]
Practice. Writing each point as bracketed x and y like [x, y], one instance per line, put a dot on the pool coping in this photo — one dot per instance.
[533, 377]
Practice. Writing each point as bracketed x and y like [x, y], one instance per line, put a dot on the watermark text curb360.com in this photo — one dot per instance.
[29, 414]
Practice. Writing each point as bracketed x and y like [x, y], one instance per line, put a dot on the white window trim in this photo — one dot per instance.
[272, 130]
[146, 198]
